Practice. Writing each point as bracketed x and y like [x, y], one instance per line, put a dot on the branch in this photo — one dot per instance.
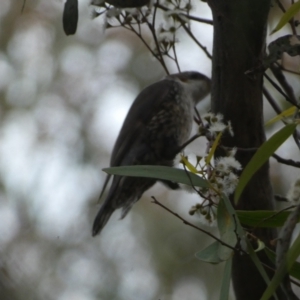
[194, 38]
[193, 18]
[192, 225]
[277, 72]
[271, 101]
[139, 34]
[288, 162]
[175, 54]
[209, 234]
[278, 88]
[152, 30]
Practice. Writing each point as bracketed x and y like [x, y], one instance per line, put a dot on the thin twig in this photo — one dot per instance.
[277, 72]
[193, 187]
[198, 118]
[139, 34]
[281, 6]
[175, 54]
[288, 93]
[288, 162]
[240, 149]
[193, 18]
[296, 138]
[192, 225]
[152, 30]
[201, 20]
[211, 235]
[277, 87]
[194, 137]
[271, 100]
[194, 38]
[274, 215]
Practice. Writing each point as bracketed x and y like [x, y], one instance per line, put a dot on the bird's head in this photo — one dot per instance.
[194, 83]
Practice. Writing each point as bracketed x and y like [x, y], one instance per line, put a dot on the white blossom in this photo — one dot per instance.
[217, 127]
[227, 163]
[229, 128]
[232, 152]
[231, 181]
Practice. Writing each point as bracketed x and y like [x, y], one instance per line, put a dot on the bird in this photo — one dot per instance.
[158, 123]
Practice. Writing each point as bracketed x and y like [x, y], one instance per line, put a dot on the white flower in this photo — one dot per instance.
[232, 152]
[217, 127]
[227, 163]
[231, 180]
[212, 118]
[229, 128]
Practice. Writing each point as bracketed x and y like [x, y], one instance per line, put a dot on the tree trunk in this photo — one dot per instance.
[239, 41]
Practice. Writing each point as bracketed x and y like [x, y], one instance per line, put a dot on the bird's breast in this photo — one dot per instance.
[171, 126]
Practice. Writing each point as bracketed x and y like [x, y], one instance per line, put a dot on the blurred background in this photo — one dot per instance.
[63, 101]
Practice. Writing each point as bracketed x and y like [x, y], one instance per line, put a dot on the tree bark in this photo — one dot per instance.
[239, 43]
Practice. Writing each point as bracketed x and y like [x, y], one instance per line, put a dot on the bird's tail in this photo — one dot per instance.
[102, 218]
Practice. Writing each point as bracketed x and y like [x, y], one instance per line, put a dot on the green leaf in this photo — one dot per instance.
[210, 254]
[276, 280]
[290, 13]
[293, 253]
[226, 227]
[258, 264]
[238, 227]
[229, 227]
[284, 258]
[188, 165]
[261, 156]
[213, 148]
[224, 293]
[245, 241]
[295, 269]
[286, 113]
[263, 218]
[159, 172]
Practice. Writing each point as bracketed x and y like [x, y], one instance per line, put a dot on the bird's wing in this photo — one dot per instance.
[140, 113]
[138, 117]
[104, 185]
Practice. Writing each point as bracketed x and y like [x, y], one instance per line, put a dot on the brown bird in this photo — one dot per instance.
[158, 123]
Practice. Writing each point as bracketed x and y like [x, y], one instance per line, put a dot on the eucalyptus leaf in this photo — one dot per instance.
[159, 172]
[284, 258]
[211, 253]
[295, 269]
[224, 293]
[261, 156]
[263, 218]
[289, 14]
[226, 227]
